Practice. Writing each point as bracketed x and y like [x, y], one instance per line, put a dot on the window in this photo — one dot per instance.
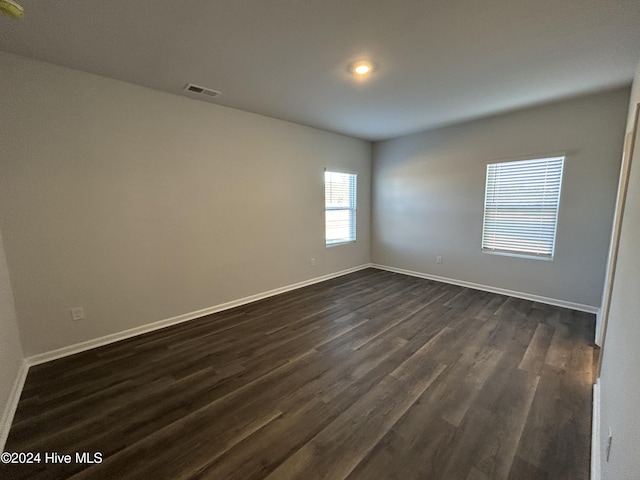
[340, 207]
[521, 207]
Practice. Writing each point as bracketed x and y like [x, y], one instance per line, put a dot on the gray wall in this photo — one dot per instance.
[429, 193]
[620, 375]
[140, 205]
[11, 356]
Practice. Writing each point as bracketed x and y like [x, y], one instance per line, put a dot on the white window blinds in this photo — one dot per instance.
[521, 207]
[340, 207]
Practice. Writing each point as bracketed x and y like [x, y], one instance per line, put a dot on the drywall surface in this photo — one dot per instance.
[139, 205]
[620, 377]
[11, 356]
[428, 197]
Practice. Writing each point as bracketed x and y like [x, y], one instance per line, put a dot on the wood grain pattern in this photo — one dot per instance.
[370, 375]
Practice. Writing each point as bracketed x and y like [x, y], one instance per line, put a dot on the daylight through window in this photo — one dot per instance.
[340, 207]
[521, 207]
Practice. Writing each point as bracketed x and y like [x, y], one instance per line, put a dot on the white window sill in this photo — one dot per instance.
[336, 244]
[530, 256]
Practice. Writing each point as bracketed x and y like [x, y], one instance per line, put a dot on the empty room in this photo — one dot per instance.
[311, 239]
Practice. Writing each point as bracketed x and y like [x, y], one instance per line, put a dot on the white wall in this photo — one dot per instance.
[11, 356]
[429, 193]
[140, 205]
[620, 375]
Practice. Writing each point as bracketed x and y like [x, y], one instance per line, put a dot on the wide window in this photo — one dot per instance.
[340, 207]
[521, 207]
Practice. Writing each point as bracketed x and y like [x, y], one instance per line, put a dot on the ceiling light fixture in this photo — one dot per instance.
[361, 69]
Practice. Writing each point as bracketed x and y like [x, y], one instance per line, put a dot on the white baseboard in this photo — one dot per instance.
[488, 288]
[12, 404]
[115, 337]
[596, 470]
[16, 391]
[598, 336]
[132, 332]
[8, 414]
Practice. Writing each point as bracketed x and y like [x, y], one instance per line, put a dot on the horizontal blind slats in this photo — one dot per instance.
[521, 206]
[340, 207]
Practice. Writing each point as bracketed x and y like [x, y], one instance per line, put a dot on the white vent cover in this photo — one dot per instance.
[202, 93]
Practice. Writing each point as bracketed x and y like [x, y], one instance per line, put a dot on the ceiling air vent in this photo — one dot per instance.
[202, 93]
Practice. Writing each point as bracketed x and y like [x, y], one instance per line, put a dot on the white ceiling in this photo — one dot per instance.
[439, 61]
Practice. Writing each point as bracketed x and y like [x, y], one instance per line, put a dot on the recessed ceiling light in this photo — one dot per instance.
[361, 69]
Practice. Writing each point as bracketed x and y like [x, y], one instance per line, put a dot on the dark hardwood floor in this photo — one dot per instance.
[373, 375]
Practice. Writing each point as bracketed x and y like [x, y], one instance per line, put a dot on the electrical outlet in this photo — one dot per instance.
[609, 441]
[313, 262]
[77, 314]
[439, 259]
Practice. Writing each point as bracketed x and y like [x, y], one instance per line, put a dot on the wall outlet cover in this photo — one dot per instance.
[77, 313]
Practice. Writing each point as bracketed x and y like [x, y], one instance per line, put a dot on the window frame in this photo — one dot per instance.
[547, 200]
[352, 208]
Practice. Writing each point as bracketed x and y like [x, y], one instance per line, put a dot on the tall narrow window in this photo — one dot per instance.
[340, 207]
[521, 207]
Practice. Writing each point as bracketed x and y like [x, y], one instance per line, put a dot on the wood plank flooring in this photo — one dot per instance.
[373, 375]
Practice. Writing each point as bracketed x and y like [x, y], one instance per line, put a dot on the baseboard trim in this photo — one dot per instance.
[487, 288]
[150, 327]
[16, 391]
[12, 404]
[598, 334]
[596, 471]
